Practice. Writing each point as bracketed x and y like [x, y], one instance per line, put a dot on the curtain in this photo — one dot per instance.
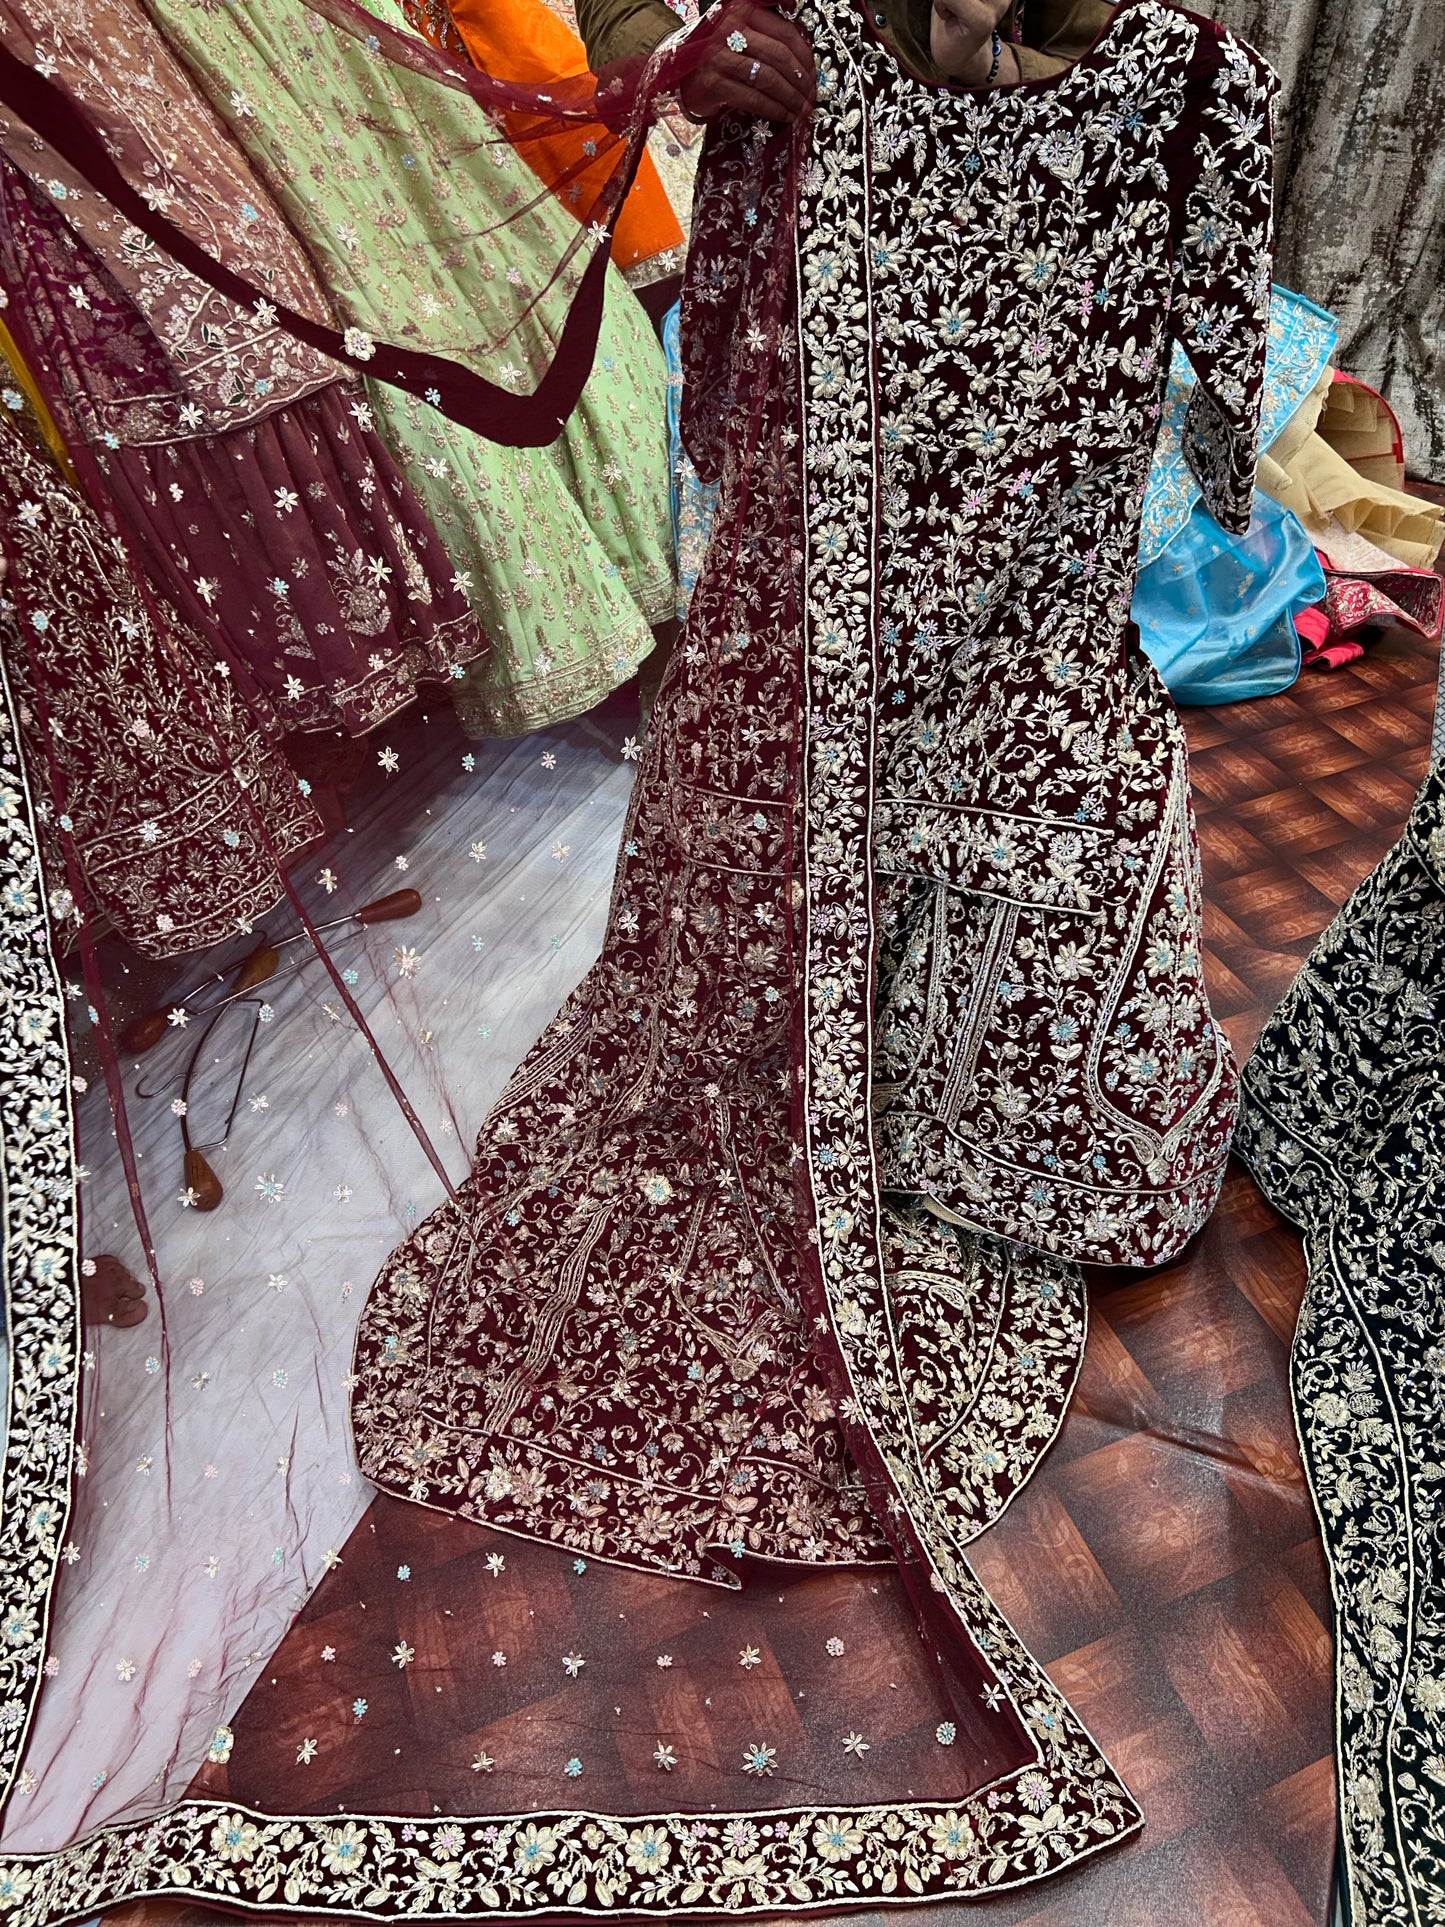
[1361, 186]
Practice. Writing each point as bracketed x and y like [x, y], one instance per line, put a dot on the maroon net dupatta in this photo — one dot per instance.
[620, 107]
[580, 1562]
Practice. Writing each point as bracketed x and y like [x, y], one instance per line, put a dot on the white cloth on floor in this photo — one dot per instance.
[192, 1562]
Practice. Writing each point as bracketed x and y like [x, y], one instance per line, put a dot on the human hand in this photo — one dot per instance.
[770, 77]
[962, 37]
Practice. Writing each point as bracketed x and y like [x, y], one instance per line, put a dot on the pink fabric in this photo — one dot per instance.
[1335, 655]
[1313, 626]
[1394, 596]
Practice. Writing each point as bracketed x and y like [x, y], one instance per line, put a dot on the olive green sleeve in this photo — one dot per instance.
[617, 29]
[1034, 65]
[1067, 28]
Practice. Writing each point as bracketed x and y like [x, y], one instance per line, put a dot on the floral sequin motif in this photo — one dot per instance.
[133, 740]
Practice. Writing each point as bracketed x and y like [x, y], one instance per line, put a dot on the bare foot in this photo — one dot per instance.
[109, 1294]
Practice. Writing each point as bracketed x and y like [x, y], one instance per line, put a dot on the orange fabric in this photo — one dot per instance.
[524, 40]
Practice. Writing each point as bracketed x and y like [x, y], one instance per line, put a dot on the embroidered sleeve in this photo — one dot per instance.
[1222, 275]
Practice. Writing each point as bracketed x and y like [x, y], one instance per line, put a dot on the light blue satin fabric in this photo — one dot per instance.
[693, 501]
[1215, 614]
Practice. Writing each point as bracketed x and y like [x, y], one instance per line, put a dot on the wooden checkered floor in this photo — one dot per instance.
[1164, 1563]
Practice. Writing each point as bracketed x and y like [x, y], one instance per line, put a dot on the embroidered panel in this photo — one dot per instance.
[158, 790]
[226, 366]
[41, 1252]
[990, 285]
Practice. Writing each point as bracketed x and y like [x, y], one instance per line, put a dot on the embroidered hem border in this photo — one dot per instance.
[365, 705]
[494, 702]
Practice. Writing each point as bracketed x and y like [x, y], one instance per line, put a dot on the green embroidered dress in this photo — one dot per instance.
[565, 550]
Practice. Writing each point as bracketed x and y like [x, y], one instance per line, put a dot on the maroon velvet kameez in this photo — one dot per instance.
[902, 987]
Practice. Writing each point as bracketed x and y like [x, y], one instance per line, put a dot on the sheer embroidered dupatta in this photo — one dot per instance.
[672, 1321]
[566, 301]
[238, 461]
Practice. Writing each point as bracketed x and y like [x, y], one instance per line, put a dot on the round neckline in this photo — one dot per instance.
[1089, 57]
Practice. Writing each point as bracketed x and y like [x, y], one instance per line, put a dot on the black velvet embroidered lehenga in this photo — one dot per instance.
[1343, 1124]
[752, 1261]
